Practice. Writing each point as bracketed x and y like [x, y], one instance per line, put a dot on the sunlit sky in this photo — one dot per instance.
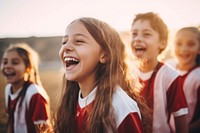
[24, 18]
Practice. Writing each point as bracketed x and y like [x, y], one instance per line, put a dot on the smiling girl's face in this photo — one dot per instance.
[80, 53]
[145, 43]
[186, 48]
[13, 67]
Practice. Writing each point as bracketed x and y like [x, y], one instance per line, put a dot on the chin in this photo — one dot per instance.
[70, 78]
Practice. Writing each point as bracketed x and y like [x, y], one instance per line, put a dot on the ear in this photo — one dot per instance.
[28, 69]
[103, 57]
[162, 45]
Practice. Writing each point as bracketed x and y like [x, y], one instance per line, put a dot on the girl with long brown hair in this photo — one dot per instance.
[99, 96]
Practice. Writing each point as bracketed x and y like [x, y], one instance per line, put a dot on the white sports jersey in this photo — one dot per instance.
[191, 87]
[126, 111]
[164, 96]
[34, 109]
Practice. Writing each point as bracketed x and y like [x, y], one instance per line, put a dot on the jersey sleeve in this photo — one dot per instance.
[177, 104]
[39, 109]
[131, 124]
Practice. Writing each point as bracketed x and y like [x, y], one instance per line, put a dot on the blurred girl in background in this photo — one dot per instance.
[27, 103]
[161, 87]
[187, 61]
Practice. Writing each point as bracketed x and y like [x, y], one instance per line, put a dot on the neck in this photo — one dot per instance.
[86, 87]
[17, 85]
[147, 66]
[186, 67]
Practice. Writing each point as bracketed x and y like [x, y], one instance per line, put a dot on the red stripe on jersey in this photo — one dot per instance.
[37, 112]
[131, 124]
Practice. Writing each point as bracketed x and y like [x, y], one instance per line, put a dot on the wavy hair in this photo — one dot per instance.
[114, 72]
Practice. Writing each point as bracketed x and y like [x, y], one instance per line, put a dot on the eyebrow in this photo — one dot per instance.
[77, 34]
[11, 59]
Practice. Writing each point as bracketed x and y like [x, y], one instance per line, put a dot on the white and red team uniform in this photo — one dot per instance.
[191, 87]
[164, 96]
[34, 109]
[126, 111]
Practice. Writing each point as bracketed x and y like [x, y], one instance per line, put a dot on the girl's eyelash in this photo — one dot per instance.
[4, 62]
[134, 33]
[147, 33]
[79, 40]
[15, 62]
[191, 43]
[63, 42]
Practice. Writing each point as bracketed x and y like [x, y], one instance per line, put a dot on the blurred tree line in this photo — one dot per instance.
[47, 47]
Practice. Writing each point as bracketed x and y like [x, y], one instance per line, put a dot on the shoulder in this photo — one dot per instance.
[7, 89]
[167, 73]
[193, 77]
[168, 69]
[195, 72]
[171, 62]
[123, 105]
[36, 89]
[7, 92]
[121, 98]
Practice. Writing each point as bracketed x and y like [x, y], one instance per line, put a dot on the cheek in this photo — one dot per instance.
[132, 47]
[176, 49]
[196, 52]
[1, 67]
[198, 49]
[21, 70]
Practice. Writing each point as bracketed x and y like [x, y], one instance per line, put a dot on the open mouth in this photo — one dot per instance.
[69, 61]
[8, 74]
[140, 49]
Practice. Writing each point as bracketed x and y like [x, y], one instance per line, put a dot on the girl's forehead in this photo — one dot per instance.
[142, 24]
[12, 54]
[187, 34]
[75, 26]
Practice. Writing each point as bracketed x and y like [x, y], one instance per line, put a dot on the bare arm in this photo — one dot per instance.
[181, 124]
[195, 127]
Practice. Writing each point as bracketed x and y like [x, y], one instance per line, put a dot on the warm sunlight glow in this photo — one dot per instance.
[23, 18]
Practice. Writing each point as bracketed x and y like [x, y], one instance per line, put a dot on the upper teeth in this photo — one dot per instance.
[70, 59]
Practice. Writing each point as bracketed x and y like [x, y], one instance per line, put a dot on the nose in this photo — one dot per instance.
[136, 39]
[184, 48]
[68, 46]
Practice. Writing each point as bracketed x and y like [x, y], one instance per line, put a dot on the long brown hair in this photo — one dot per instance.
[114, 72]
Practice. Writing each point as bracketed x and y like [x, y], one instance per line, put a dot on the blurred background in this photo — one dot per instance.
[41, 24]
